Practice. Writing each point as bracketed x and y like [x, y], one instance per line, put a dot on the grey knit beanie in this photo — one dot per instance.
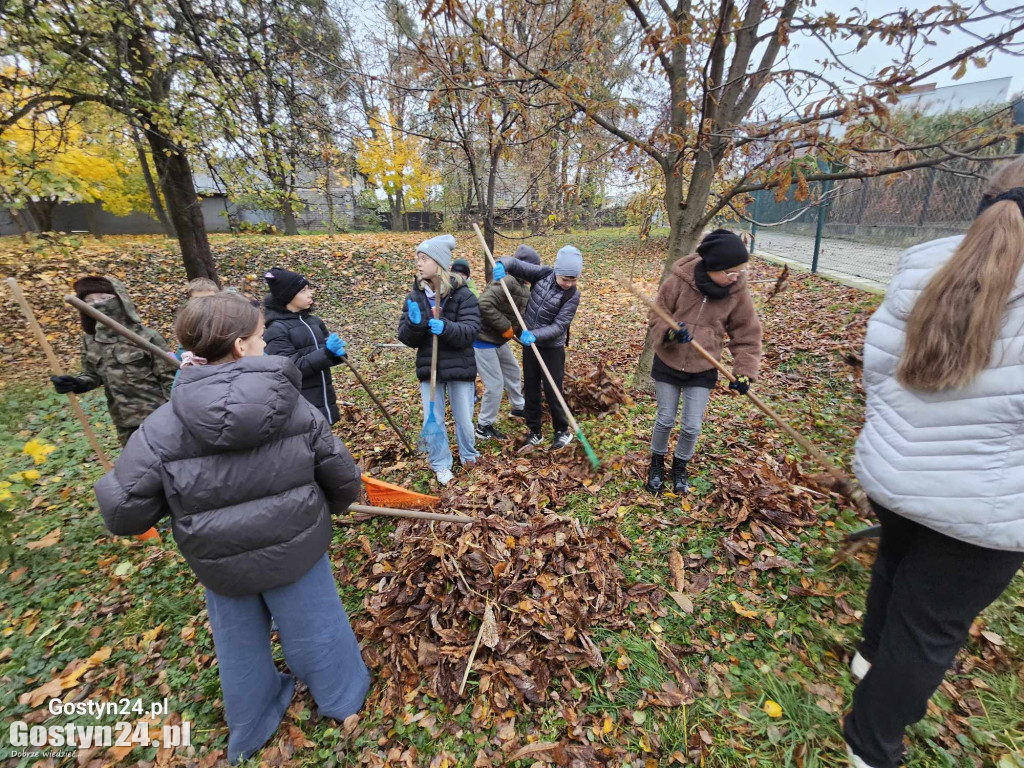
[439, 249]
[527, 254]
[569, 261]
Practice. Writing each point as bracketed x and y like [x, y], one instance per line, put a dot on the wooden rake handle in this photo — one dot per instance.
[412, 514]
[540, 360]
[434, 343]
[55, 367]
[127, 333]
[379, 405]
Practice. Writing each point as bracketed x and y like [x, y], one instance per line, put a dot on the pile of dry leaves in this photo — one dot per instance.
[765, 490]
[526, 591]
[597, 390]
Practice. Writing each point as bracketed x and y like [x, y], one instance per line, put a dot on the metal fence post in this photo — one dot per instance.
[826, 187]
[753, 225]
[1018, 119]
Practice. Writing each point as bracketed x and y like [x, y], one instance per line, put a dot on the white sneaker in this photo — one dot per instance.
[855, 761]
[444, 476]
[859, 667]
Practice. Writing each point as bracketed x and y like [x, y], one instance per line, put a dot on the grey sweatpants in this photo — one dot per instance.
[499, 370]
[695, 401]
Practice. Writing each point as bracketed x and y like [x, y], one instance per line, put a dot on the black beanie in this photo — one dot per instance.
[461, 266]
[91, 284]
[722, 250]
[527, 254]
[284, 284]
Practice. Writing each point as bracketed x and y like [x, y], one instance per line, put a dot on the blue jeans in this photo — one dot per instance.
[460, 396]
[319, 647]
[695, 401]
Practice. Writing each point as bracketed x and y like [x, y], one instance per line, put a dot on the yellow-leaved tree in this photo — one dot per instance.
[48, 159]
[395, 162]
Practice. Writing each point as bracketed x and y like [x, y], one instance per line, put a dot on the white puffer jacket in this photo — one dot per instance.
[954, 460]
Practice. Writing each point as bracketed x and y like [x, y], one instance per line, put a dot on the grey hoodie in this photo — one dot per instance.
[248, 470]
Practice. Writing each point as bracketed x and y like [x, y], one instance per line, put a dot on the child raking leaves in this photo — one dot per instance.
[707, 295]
[455, 329]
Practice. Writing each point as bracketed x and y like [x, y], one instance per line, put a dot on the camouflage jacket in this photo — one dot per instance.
[136, 383]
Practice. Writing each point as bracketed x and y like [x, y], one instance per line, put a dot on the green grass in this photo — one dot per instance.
[70, 602]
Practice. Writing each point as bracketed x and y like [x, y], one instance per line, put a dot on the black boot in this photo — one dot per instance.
[680, 482]
[656, 474]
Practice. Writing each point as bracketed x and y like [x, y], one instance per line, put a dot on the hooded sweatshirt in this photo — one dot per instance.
[135, 382]
[248, 471]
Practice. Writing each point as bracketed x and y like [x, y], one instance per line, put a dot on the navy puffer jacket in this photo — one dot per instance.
[549, 311]
[249, 472]
[461, 313]
[300, 337]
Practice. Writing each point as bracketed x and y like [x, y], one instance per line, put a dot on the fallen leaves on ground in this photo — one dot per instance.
[539, 583]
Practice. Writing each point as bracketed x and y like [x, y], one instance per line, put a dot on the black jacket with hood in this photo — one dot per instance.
[461, 313]
[249, 472]
[300, 337]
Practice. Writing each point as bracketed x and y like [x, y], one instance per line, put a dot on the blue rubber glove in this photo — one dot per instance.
[415, 317]
[527, 338]
[335, 345]
[499, 271]
[436, 325]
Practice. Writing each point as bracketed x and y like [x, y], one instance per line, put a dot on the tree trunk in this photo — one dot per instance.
[42, 213]
[183, 205]
[684, 232]
[291, 226]
[171, 162]
[19, 221]
[403, 220]
[564, 202]
[534, 208]
[328, 194]
[92, 218]
[154, 195]
[488, 212]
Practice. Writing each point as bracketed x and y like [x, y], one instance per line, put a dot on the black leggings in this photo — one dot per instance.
[926, 589]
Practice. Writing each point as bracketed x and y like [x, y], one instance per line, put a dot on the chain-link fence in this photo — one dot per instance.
[860, 227]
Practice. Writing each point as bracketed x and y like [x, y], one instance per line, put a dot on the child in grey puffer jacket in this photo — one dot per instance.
[250, 475]
[554, 300]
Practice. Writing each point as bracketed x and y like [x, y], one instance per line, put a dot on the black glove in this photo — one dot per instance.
[741, 384]
[680, 335]
[67, 383]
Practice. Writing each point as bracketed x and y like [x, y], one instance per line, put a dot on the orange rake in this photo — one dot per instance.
[382, 494]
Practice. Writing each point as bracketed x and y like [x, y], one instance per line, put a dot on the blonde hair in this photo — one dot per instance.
[446, 278]
[201, 285]
[955, 321]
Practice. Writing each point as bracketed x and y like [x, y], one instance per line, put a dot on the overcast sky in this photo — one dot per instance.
[877, 55]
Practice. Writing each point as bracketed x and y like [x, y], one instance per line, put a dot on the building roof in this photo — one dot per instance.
[958, 97]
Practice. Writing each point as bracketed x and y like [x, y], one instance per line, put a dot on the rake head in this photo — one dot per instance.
[432, 437]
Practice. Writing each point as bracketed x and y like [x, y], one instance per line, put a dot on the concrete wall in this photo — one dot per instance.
[90, 217]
